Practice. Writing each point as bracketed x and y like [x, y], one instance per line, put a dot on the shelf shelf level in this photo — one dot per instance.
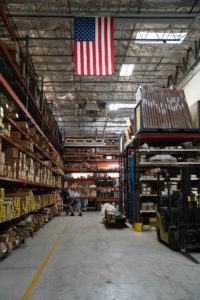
[24, 182]
[90, 171]
[92, 154]
[107, 200]
[92, 188]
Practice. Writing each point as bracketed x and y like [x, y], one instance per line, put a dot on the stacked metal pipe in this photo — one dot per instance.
[164, 108]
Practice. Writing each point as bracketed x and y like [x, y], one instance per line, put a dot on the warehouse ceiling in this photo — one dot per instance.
[49, 25]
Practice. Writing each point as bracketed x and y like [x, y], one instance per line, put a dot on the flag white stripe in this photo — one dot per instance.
[91, 58]
[85, 58]
[109, 48]
[96, 46]
[78, 58]
[103, 46]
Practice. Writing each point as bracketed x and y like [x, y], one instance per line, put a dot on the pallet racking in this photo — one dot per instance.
[20, 76]
[138, 172]
[23, 102]
[99, 154]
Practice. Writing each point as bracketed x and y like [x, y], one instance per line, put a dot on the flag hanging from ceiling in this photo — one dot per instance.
[94, 46]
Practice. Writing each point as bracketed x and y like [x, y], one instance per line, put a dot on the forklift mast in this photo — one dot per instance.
[179, 213]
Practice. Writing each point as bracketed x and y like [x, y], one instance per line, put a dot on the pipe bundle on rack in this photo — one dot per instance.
[164, 108]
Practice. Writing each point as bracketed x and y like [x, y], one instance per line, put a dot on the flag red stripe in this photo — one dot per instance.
[100, 49]
[75, 57]
[82, 59]
[88, 57]
[112, 44]
[106, 44]
[94, 58]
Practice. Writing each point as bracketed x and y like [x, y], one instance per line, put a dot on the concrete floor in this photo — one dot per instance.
[95, 263]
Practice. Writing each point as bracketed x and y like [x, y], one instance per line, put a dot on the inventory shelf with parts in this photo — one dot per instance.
[31, 166]
[140, 161]
[91, 166]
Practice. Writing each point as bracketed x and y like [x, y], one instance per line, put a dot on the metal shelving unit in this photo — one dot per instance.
[26, 87]
[158, 144]
[88, 152]
[18, 89]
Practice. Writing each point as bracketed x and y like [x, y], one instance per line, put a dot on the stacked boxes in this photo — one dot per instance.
[37, 172]
[30, 169]
[16, 203]
[148, 206]
[2, 207]
[15, 136]
[146, 189]
[2, 163]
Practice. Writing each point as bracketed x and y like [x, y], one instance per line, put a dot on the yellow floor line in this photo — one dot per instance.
[67, 224]
[42, 267]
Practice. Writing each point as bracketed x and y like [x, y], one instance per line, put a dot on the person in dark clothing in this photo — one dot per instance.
[64, 194]
[74, 205]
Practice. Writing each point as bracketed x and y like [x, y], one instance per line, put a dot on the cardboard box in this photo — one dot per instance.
[2, 169]
[23, 125]
[15, 136]
[11, 153]
[25, 144]
[128, 136]
[2, 157]
[12, 162]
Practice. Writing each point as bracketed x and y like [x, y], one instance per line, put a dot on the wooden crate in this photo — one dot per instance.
[110, 217]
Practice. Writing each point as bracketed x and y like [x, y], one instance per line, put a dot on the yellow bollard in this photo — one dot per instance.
[138, 227]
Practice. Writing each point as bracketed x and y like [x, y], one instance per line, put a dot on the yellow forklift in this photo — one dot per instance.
[178, 213]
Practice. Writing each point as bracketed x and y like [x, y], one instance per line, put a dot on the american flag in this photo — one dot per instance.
[94, 45]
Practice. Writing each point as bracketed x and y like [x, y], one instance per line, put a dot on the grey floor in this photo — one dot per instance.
[95, 263]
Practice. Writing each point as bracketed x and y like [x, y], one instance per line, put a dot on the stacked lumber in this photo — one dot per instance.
[164, 108]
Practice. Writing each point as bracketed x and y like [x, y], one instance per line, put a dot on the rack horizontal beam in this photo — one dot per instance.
[24, 182]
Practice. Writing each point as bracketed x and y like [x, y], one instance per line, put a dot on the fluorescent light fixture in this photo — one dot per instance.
[116, 106]
[162, 37]
[126, 69]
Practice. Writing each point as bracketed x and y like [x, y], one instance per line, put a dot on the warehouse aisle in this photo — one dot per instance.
[94, 263]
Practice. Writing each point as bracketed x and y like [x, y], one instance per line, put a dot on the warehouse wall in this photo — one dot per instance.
[191, 85]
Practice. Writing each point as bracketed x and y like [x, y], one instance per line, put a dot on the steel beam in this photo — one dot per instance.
[116, 56]
[72, 71]
[91, 121]
[51, 63]
[89, 126]
[52, 39]
[46, 84]
[90, 92]
[150, 18]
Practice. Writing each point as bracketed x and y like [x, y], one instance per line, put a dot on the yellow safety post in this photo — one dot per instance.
[138, 227]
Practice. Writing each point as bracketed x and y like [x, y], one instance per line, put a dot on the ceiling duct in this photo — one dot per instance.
[93, 108]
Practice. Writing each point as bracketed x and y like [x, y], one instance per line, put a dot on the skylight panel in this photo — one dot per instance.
[127, 69]
[160, 37]
[116, 106]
